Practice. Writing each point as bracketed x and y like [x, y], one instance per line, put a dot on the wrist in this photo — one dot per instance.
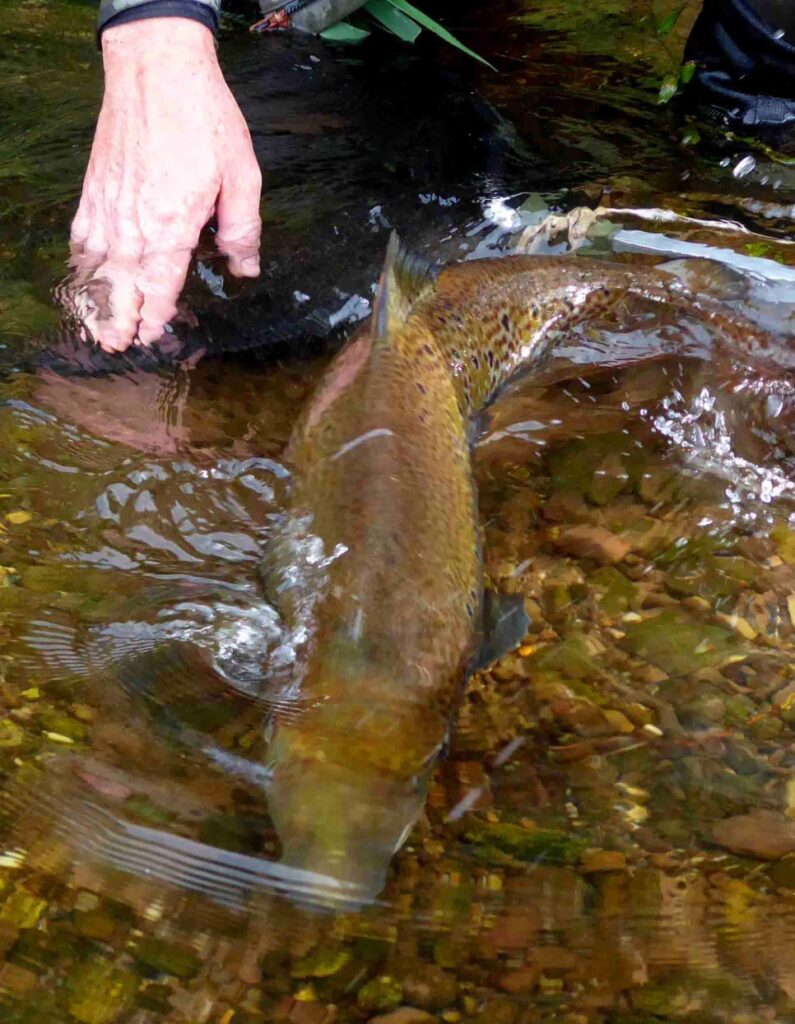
[154, 40]
[123, 12]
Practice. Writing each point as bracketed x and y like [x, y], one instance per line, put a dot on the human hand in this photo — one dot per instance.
[171, 148]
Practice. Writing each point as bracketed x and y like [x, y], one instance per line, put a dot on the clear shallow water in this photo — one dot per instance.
[568, 866]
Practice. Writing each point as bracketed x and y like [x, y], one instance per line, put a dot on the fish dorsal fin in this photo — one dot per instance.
[405, 279]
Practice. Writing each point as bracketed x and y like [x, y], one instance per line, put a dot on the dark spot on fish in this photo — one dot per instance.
[427, 350]
[505, 320]
[421, 388]
[476, 362]
[490, 358]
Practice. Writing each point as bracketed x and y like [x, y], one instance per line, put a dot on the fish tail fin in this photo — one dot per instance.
[405, 280]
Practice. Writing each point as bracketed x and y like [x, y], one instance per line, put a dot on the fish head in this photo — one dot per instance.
[344, 799]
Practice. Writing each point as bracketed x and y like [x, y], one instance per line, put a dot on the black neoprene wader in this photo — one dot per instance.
[744, 52]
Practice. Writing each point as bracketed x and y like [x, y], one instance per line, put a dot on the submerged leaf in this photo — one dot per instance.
[669, 21]
[668, 89]
[686, 72]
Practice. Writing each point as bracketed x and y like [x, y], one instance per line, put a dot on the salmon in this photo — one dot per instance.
[379, 558]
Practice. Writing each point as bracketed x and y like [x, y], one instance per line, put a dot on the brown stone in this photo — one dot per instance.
[8, 936]
[308, 1012]
[592, 542]
[17, 979]
[429, 987]
[521, 981]
[766, 835]
[514, 931]
[554, 960]
[594, 861]
[404, 1015]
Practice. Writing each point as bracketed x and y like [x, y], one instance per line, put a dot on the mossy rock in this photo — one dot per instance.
[381, 994]
[53, 720]
[167, 958]
[572, 658]
[22, 909]
[678, 644]
[598, 468]
[547, 846]
[95, 924]
[739, 709]
[618, 594]
[323, 962]
[34, 950]
[715, 578]
[99, 993]
[784, 539]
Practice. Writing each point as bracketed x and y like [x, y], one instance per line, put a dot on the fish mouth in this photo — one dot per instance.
[343, 823]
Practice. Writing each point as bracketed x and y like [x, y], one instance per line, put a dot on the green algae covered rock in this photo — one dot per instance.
[573, 657]
[167, 958]
[95, 924]
[617, 593]
[11, 734]
[550, 846]
[99, 993]
[382, 993]
[784, 539]
[598, 468]
[679, 644]
[22, 909]
[323, 962]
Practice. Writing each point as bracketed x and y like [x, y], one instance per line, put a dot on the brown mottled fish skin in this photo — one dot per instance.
[383, 486]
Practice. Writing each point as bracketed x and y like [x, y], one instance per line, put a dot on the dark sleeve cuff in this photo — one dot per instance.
[119, 12]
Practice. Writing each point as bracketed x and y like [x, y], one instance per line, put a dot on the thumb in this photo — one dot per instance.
[239, 224]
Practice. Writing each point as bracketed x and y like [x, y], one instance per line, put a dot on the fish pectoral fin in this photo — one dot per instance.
[505, 622]
[405, 279]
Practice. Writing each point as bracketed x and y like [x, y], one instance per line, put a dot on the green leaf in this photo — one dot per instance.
[670, 20]
[437, 29]
[668, 89]
[687, 71]
[691, 137]
[393, 19]
[344, 32]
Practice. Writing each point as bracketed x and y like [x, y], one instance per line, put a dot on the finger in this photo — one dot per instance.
[75, 292]
[239, 224]
[81, 225]
[160, 282]
[114, 303]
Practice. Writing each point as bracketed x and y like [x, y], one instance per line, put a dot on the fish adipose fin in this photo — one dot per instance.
[405, 279]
